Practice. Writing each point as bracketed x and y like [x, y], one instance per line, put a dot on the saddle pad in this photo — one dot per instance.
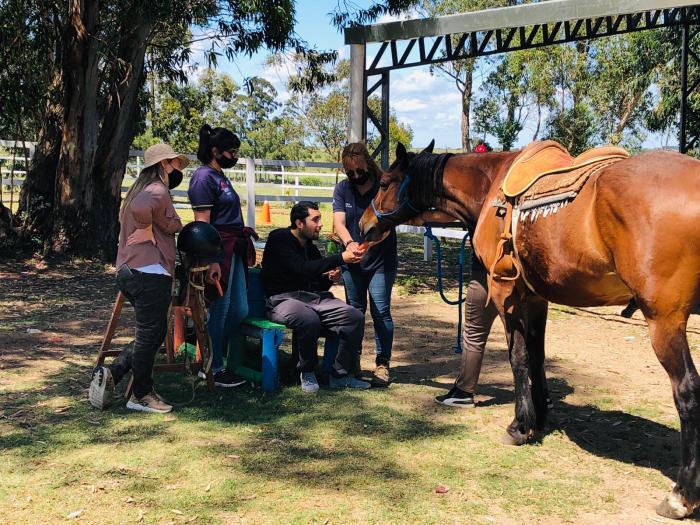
[535, 159]
[567, 182]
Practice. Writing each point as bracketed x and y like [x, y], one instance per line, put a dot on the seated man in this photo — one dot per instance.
[296, 280]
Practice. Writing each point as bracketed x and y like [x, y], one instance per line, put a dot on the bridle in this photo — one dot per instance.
[404, 202]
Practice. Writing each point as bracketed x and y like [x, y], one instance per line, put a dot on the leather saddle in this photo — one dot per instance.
[544, 174]
[546, 168]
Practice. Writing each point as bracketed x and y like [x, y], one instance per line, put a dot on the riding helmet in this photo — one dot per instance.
[199, 239]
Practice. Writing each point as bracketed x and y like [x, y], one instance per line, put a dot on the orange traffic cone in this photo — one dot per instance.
[265, 213]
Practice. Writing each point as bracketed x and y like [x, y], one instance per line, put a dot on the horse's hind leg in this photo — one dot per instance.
[536, 324]
[671, 346]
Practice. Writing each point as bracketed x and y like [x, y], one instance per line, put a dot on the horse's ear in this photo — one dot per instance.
[429, 147]
[400, 152]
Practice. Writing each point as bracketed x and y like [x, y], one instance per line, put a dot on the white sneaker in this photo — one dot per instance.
[309, 384]
[101, 390]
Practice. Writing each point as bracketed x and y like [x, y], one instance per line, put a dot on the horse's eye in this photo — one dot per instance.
[383, 184]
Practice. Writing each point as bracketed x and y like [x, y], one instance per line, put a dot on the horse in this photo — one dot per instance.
[630, 234]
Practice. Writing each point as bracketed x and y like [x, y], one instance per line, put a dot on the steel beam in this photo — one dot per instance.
[358, 85]
[505, 17]
[491, 42]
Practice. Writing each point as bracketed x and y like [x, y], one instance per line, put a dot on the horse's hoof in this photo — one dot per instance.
[672, 507]
[514, 438]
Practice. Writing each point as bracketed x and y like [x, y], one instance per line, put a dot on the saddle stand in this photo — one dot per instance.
[188, 304]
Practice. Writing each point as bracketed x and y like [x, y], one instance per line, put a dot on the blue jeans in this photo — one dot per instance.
[227, 312]
[378, 285]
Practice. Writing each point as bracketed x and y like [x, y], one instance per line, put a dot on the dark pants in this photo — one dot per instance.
[307, 313]
[150, 295]
[478, 319]
[358, 285]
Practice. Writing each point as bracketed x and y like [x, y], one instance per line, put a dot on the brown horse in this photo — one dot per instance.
[632, 232]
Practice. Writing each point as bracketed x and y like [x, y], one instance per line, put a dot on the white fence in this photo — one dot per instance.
[248, 177]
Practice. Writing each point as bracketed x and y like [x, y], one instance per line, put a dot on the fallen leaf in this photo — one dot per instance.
[193, 518]
[74, 514]
[208, 488]
[55, 340]
[33, 331]
[178, 512]
[140, 518]
[129, 500]
[233, 456]
[247, 498]
[60, 410]
[442, 489]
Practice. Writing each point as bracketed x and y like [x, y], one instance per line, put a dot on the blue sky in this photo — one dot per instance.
[429, 103]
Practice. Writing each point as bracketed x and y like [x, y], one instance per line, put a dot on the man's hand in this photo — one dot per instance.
[213, 273]
[350, 256]
[141, 235]
[334, 275]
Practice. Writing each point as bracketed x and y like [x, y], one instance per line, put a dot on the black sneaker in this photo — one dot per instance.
[225, 379]
[456, 398]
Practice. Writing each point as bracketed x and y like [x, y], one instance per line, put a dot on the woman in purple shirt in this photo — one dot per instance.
[215, 201]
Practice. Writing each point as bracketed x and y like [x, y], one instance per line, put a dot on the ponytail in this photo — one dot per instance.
[204, 150]
[220, 138]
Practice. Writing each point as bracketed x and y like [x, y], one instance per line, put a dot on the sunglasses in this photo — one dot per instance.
[360, 172]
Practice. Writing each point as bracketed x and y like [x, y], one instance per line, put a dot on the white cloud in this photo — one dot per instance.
[409, 104]
[409, 15]
[419, 80]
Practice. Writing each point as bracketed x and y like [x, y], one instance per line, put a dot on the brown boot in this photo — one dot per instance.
[381, 376]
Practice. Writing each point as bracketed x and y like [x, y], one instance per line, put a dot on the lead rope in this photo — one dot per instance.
[460, 280]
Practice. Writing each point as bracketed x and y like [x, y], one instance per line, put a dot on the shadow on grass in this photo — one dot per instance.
[333, 438]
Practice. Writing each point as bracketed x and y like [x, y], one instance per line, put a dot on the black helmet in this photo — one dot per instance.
[199, 239]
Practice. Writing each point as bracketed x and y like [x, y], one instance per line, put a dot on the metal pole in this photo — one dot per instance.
[385, 121]
[250, 187]
[356, 125]
[683, 139]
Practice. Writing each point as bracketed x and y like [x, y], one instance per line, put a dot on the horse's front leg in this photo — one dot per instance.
[536, 324]
[514, 314]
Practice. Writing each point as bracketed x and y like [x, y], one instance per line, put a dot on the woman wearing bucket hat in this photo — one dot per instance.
[145, 265]
[215, 201]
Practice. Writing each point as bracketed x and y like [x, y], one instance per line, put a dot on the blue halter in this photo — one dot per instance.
[404, 202]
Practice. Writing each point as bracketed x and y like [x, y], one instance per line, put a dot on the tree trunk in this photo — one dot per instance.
[466, 108]
[74, 196]
[73, 191]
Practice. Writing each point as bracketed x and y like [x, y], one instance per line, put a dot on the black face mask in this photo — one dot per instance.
[174, 179]
[357, 177]
[225, 162]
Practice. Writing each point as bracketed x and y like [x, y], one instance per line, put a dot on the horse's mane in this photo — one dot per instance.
[426, 170]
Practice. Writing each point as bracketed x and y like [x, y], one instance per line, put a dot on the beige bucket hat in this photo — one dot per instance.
[158, 152]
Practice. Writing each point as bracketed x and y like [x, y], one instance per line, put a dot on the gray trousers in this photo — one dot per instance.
[309, 313]
[478, 319]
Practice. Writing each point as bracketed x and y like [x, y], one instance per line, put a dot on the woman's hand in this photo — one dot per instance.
[213, 273]
[141, 235]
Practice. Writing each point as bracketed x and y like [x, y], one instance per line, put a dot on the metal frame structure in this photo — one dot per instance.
[481, 33]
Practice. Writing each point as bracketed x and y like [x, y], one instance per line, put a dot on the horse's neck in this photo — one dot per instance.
[467, 180]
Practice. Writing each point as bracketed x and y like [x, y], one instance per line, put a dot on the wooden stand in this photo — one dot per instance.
[193, 307]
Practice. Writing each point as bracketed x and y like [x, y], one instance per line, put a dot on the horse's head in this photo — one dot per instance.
[392, 205]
